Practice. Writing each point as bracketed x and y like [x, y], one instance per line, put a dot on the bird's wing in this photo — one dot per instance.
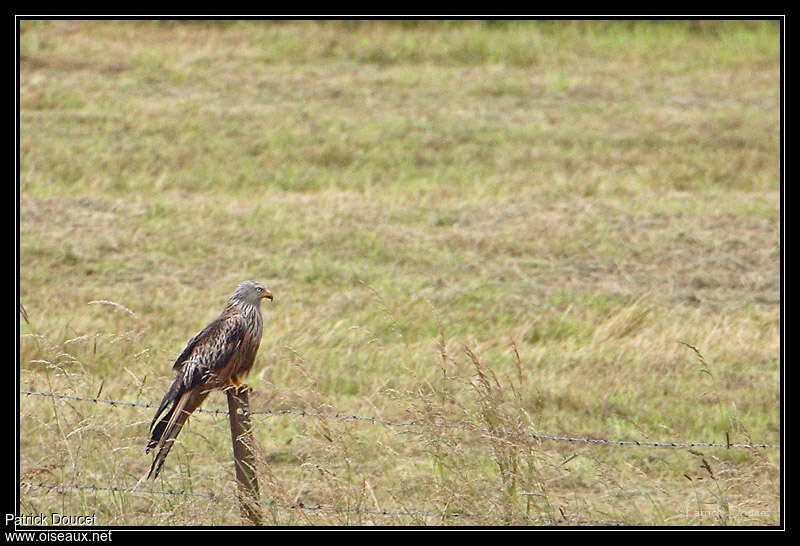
[209, 351]
[210, 335]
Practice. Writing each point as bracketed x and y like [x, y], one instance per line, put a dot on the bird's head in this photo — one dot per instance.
[251, 292]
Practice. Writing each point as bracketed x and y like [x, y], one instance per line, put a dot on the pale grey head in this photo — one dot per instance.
[251, 292]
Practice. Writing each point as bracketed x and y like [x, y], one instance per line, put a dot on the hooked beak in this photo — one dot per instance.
[267, 294]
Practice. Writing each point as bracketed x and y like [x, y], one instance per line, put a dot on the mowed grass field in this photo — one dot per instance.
[565, 228]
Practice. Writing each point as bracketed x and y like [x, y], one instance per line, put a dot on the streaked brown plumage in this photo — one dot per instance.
[218, 357]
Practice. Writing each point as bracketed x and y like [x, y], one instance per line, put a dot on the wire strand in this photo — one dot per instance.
[387, 422]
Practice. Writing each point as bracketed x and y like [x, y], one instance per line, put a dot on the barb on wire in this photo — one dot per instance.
[301, 506]
[387, 422]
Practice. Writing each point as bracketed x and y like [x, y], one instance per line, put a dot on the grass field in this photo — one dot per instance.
[510, 227]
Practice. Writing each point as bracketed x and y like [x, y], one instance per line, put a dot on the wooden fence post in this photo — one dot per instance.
[243, 454]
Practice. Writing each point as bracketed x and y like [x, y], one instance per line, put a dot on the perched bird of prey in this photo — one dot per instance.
[218, 357]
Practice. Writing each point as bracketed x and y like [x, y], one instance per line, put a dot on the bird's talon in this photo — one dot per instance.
[240, 388]
[244, 389]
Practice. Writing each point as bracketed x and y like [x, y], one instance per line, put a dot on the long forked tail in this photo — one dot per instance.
[169, 426]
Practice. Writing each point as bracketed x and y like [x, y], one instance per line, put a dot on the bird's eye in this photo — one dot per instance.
[260, 289]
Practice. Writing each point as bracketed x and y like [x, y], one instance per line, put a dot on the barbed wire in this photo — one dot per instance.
[117, 489]
[302, 506]
[387, 422]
